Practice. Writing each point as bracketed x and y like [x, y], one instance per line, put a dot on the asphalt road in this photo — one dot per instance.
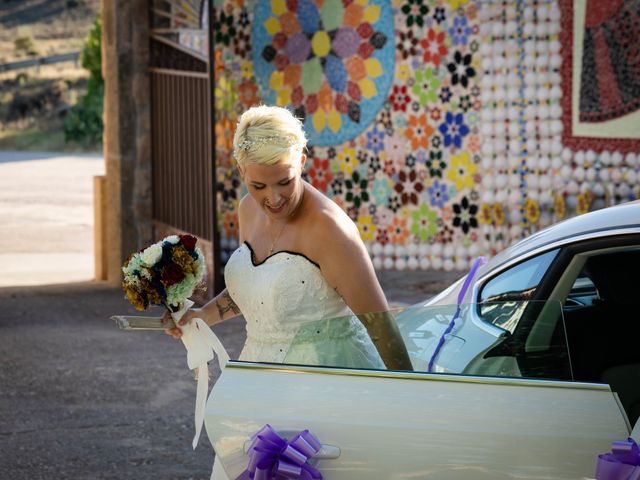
[80, 399]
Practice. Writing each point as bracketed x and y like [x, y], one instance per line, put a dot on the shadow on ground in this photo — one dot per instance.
[81, 399]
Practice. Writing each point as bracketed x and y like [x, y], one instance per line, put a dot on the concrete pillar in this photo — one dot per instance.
[127, 132]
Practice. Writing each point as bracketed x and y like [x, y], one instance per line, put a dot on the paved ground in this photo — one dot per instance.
[83, 400]
[46, 217]
[80, 399]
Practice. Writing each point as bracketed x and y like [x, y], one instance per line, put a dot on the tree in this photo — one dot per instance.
[84, 121]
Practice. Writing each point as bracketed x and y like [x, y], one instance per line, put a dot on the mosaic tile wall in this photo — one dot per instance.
[436, 125]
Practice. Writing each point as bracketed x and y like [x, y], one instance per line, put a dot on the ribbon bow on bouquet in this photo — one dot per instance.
[201, 343]
[166, 274]
[623, 463]
[272, 457]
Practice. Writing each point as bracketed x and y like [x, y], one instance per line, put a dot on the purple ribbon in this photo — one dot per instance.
[272, 457]
[461, 294]
[623, 463]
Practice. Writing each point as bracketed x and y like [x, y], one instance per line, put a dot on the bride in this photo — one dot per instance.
[300, 260]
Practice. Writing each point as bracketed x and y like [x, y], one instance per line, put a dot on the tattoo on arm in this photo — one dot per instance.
[225, 304]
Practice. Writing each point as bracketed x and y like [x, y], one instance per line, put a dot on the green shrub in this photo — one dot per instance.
[22, 78]
[83, 123]
[91, 59]
[26, 45]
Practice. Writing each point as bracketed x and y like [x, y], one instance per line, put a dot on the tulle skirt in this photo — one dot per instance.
[342, 342]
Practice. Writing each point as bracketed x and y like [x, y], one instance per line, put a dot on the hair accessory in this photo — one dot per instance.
[249, 145]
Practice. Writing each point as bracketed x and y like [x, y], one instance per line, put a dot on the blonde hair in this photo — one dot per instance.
[264, 135]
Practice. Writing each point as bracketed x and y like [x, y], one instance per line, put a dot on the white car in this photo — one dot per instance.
[531, 374]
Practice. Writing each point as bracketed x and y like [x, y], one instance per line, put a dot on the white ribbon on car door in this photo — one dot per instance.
[201, 344]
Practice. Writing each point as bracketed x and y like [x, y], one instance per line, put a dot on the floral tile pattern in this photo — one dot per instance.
[330, 61]
[386, 91]
[435, 124]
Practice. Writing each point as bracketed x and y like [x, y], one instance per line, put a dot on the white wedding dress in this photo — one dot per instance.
[294, 316]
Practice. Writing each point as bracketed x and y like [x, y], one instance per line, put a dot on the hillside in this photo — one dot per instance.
[34, 101]
[56, 26]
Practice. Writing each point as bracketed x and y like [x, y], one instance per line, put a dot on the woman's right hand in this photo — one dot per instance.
[170, 327]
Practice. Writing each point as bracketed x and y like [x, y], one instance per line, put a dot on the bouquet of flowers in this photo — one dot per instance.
[166, 273]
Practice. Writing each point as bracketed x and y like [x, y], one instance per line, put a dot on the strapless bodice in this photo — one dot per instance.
[280, 297]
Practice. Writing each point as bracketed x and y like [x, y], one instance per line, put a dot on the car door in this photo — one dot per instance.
[594, 279]
[598, 288]
[393, 425]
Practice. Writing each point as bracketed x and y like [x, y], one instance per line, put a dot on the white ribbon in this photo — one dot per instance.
[201, 344]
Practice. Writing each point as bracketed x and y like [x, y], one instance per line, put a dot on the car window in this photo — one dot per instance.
[603, 324]
[503, 298]
[441, 339]
[583, 292]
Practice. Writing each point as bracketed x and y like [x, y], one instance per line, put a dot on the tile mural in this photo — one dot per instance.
[436, 125]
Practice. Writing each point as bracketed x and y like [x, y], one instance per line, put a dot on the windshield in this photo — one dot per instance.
[523, 339]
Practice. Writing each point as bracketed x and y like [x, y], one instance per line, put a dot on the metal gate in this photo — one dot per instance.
[181, 125]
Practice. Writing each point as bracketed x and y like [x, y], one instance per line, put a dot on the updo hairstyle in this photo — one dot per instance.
[265, 135]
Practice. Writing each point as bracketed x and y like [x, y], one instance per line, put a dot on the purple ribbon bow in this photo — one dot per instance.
[623, 463]
[272, 457]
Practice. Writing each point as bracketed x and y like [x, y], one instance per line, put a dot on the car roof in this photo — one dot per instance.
[597, 223]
